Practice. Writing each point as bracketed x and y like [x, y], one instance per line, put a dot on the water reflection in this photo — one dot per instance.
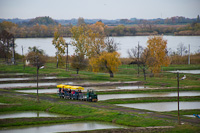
[63, 128]
[163, 106]
[16, 79]
[107, 88]
[29, 114]
[12, 85]
[187, 71]
[39, 91]
[163, 94]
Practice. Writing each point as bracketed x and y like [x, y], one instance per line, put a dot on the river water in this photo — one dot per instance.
[126, 42]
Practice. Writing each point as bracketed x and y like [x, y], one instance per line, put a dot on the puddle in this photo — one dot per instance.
[29, 114]
[25, 85]
[11, 79]
[187, 71]
[163, 106]
[14, 74]
[39, 91]
[70, 127]
[191, 116]
[163, 94]
[16, 79]
[110, 88]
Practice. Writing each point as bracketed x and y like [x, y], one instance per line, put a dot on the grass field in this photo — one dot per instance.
[104, 111]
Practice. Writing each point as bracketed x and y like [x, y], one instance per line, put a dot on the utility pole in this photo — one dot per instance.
[13, 51]
[178, 97]
[138, 58]
[189, 54]
[23, 58]
[67, 57]
[37, 78]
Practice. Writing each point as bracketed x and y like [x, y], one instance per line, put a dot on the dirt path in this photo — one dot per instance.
[110, 107]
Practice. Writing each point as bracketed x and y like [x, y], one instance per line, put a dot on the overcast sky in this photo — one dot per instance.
[99, 9]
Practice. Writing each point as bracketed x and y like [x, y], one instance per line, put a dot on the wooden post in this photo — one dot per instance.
[37, 79]
[178, 97]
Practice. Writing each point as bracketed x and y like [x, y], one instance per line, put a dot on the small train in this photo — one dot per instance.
[75, 93]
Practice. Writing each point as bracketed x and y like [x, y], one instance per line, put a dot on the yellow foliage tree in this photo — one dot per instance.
[108, 61]
[157, 47]
[89, 40]
[59, 44]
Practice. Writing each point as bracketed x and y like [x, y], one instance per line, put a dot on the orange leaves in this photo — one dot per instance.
[157, 48]
[107, 60]
[89, 40]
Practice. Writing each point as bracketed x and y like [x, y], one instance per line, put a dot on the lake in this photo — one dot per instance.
[126, 42]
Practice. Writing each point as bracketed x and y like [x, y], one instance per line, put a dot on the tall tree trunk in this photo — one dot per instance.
[77, 70]
[111, 74]
[144, 72]
[57, 61]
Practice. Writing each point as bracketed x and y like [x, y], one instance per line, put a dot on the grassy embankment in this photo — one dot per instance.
[89, 113]
[125, 73]
[80, 112]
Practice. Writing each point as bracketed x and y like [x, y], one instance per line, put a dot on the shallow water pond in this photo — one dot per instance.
[29, 114]
[25, 85]
[108, 88]
[163, 106]
[158, 94]
[187, 71]
[70, 127]
[39, 91]
[15, 79]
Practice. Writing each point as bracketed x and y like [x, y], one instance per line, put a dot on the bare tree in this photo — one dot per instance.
[111, 45]
[135, 54]
[144, 58]
[181, 49]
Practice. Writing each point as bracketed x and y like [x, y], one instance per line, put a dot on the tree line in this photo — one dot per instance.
[47, 27]
[96, 50]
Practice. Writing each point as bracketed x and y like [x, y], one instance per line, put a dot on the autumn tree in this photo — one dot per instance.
[89, 40]
[36, 56]
[79, 62]
[157, 47]
[108, 61]
[59, 44]
[7, 46]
